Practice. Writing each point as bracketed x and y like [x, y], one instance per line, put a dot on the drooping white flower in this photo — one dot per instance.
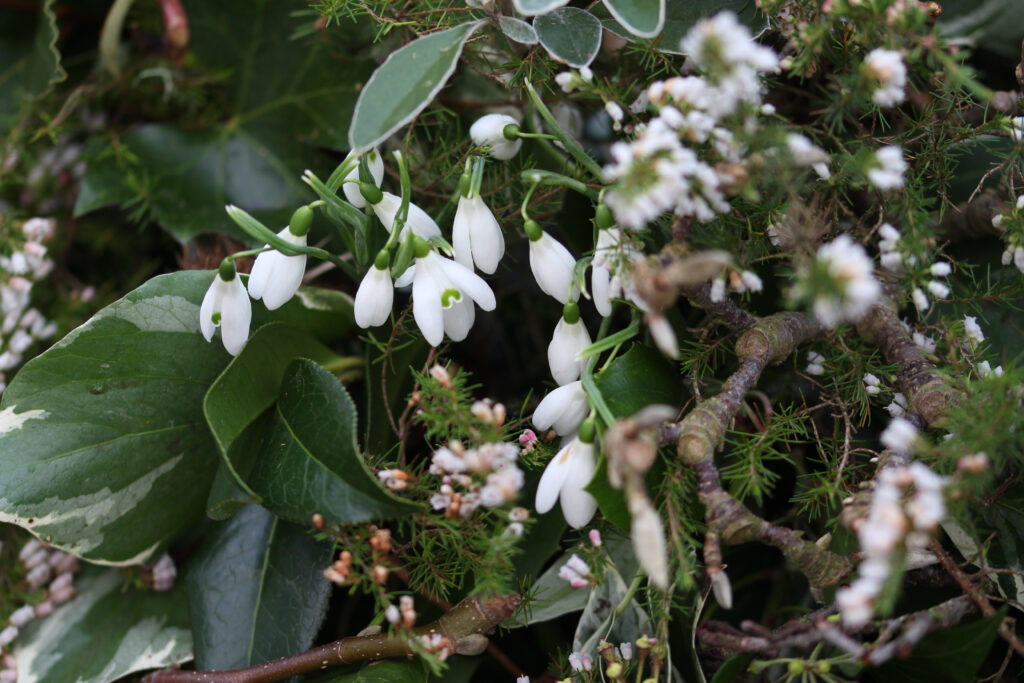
[887, 174]
[275, 277]
[443, 293]
[374, 298]
[489, 131]
[569, 471]
[418, 221]
[552, 267]
[476, 235]
[887, 67]
[648, 536]
[375, 163]
[610, 275]
[973, 329]
[563, 409]
[567, 341]
[226, 305]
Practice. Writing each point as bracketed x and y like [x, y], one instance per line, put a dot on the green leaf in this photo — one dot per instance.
[643, 18]
[991, 24]
[518, 30]
[279, 91]
[405, 84]
[29, 55]
[570, 35]
[599, 621]
[732, 669]
[105, 633]
[104, 449]
[683, 15]
[550, 597]
[637, 379]
[951, 656]
[388, 386]
[256, 591]
[246, 388]
[532, 8]
[310, 461]
[610, 500]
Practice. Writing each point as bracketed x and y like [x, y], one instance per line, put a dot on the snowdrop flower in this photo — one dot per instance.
[226, 305]
[489, 131]
[564, 478]
[476, 235]
[418, 221]
[552, 264]
[563, 409]
[443, 293]
[610, 268]
[569, 339]
[886, 66]
[375, 295]
[375, 163]
[275, 277]
[888, 173]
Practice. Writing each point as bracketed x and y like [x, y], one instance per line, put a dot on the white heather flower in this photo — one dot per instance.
[815, 363]
[853, 274]
[887, 67]
[806, 153]
[374, 298]
[580, 661]
[552, 267]
[502, 486]
[626, 649]
[566, 80]
[476, 235]
[489, 131]
[418, 221]
[276, 277]
[899, 435]
[8, 635]
[1016, 125]
[920, 299]
[22, 615]
[871, 384]
[973, 329]
[888, 173]
[898, 407]
[614, 111]
[564, 478]
[566, 342]
[439, 298]
[563, 409]
[927, 344]
[226, 305]
[938, 290]
[375, 163]
[575, 571]
[941, 269]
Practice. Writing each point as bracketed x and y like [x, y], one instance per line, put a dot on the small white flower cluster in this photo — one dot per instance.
[891, 527]
[581, 661]
[22, 325]
[891, 256]
[163, 573]
[460, 493]
[899, 436]
[815, 363]
[887, 68]
[973, 330]
[854, 287]
[44, 565]
[1014, 252]
[738, 281]
[1015, 126]
[657, 172]
[886, 173]
[806, 153]
[871, 384]
[576, 572]
[898, 406]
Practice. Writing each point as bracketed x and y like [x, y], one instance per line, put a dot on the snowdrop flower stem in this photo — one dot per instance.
[260, 232]
[570, 145]
[540, 177]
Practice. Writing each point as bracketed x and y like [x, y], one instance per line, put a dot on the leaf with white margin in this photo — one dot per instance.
[532, 8]
[104, 450]
[643, 18]
[105, 633]
[405, 84]
[570, 35]
[518, 30]
[599, 621]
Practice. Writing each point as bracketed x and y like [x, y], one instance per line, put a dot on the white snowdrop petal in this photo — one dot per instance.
[566, 342]
[426, 305]
[206, 309]
[374, 298]
[553, 478]
[468, 282]
[236, 314]
[578, 506]
[460, 234]
[486, 237]
[552, 267]
[458, 319]
[556, 403]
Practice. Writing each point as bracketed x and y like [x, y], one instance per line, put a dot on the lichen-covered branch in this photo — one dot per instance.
[927, 392]
[462, 626]
[770, 340]
[972, 219]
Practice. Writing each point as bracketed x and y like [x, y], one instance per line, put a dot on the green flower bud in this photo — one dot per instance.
[571, 313]
[419, 246]
[227, 270]
[603, 217]
[511, 131]
[587, 431]
[301, 220]
[371, 193]
[382, 260]
[533, 230]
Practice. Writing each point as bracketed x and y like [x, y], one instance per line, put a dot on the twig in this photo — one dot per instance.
[470, 617]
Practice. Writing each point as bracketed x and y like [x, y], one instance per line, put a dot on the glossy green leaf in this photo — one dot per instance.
[990, 24]
[310, 460]
[610, 500]
[279, 91]
[948, 656]
[405, 84]
[518, 30]
[637, 379]
[683, 15]
[104, 448]
[256, 591]
[532, 8]
[246, 388]
[29, 57]
[570, 35]
[643, 18]
[105, 633]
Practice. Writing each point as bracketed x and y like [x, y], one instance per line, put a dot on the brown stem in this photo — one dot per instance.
[725, 311]
[926, 391]
[974, 219]
[470, 617]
